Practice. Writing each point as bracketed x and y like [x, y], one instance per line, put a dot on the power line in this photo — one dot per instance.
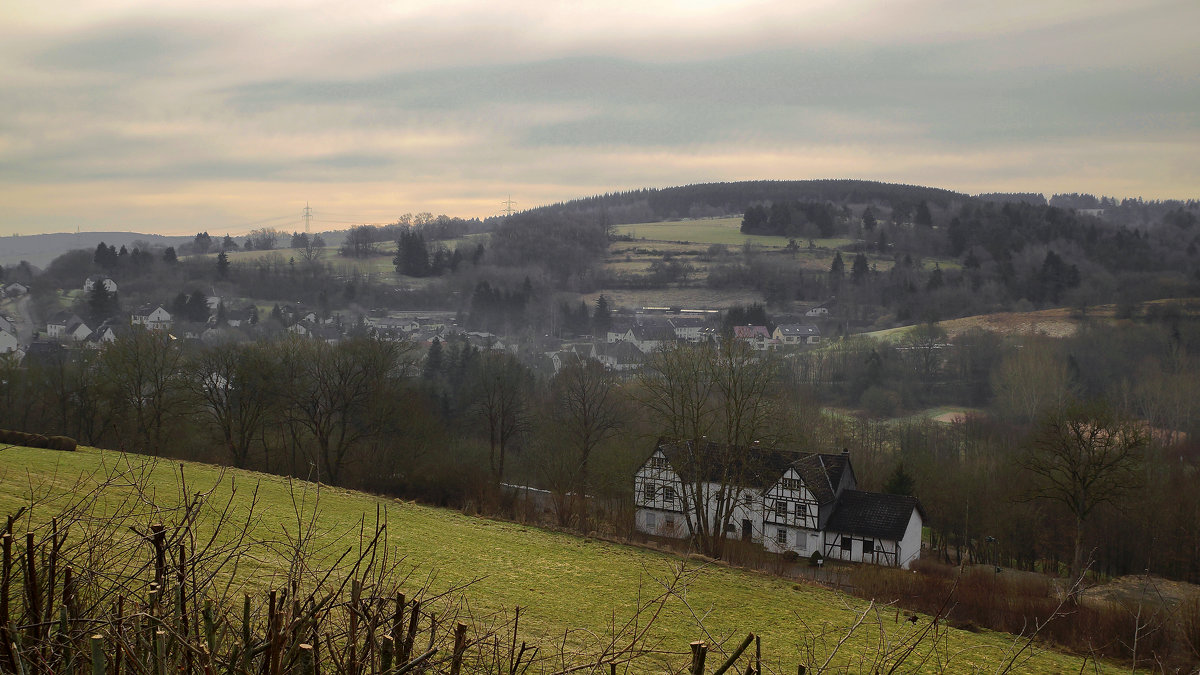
[508, 205]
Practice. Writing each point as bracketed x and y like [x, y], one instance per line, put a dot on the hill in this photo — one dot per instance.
[721, 199]
[569, 588]
[40, 249]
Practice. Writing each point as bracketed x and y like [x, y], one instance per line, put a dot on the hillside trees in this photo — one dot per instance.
[585, 414]
[340, 393]
[145, 388]
[235, 388]
[503, 388]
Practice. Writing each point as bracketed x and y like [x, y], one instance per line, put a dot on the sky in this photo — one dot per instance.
[227, 115]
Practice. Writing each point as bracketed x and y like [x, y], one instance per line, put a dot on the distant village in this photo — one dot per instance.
[631, 333]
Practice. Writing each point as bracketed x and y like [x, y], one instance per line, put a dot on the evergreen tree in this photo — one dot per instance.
[412, 256]
[222, 265]
[935, 280]
[838, 267]
[432, 369]
[923, 215]
[860, 269]
[169, 256]
[101, 303]
[202, 242]
[868, 220]
[899, 482]
[601, 317]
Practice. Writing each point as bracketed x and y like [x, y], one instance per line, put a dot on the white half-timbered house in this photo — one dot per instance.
[658, 493]
[785, 501]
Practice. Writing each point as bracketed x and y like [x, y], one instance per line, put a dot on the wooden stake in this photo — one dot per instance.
[699, 651]
[460, 646]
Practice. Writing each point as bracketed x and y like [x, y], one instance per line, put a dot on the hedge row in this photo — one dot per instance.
[37, 440]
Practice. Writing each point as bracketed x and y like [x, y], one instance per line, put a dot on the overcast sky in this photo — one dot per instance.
[222, 115]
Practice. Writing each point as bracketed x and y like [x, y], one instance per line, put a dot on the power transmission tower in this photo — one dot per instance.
[508, 206]
[307, 217]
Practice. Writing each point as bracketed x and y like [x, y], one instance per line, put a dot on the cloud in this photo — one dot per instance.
[455, 104]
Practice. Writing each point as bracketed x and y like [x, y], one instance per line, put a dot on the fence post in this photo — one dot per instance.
[699, 651]
[306, 659]
[460, 646]
[97, 655]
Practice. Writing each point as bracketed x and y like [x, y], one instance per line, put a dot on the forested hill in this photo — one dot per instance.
[720, 199]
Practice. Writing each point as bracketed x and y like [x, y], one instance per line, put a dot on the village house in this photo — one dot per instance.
[107, 282]
[797, 334]
[758, 337]
[106, 333]
[8, 342]
[67, 326]
[15, 289]
[153, 317]
[689, 328]
[785, 501]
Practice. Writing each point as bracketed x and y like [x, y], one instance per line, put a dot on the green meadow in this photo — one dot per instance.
[568, 587]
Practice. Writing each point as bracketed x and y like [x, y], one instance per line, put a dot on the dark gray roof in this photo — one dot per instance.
[822, 473]
[755, 466]
[873, 514]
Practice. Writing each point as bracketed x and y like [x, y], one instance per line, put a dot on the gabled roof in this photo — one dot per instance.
[756, 466]
[659, 333]
[821, 474]
[802, 330]
[716, 462]
[745, 332]
[873, 514]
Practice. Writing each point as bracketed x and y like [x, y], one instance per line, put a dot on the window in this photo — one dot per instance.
[651, 521]
[648, 492]
[780, 508]
[658, 462]
[730, 527]
[668, 493]
[791, 484]
[781, 536]
[669, 523]
[801, 512]
[868, 546]
[748, 498]
[845, 543]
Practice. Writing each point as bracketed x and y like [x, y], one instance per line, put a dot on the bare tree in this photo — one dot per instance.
[142, 372]
[1085, 455]
[502, 389]
[586, 413]
[718, 402]
[235, 386]
[337, 391]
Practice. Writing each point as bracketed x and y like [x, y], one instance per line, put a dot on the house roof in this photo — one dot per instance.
[822, 473]
[744, 332]
[755, 466]
[873, 514]
[800, 330]
[659, 333]
[717, 462]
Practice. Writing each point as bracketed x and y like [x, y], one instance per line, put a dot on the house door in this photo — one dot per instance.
[747, 529]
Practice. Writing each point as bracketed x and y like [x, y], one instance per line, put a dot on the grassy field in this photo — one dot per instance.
[566, 585]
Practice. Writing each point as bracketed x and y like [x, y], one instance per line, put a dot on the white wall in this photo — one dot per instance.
[910, 545]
